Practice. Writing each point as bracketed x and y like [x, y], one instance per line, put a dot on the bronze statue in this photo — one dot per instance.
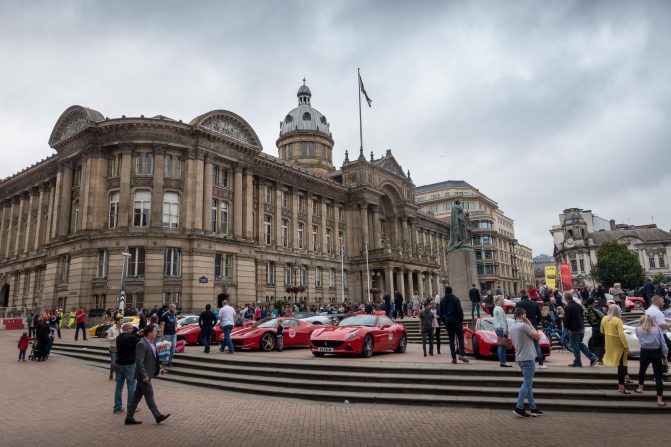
[459, 228]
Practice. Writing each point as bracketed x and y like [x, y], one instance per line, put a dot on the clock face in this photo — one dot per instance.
[569, 241]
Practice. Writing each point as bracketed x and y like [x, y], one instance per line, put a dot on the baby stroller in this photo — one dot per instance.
[33, 350]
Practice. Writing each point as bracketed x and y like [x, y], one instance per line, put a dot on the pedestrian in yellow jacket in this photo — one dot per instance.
[71, 318]
[616, 344]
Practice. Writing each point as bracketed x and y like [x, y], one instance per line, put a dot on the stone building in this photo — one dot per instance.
[203, 210]
[581, 232]
[502, 262]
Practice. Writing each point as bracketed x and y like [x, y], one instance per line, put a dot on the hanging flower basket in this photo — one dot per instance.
[295, 289]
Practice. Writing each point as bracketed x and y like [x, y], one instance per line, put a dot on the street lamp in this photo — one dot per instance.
[124, 269]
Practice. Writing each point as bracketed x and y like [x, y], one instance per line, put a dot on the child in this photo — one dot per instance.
[280, 337]
[23, 346]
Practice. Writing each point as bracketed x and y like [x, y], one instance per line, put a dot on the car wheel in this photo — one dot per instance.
[318, 354]
[367, 347]
[476, 347]
[402, 344]
[267, 342]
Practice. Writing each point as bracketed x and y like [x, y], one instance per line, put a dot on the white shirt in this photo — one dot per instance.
[656, 315]
[227, 316]
[112, 333]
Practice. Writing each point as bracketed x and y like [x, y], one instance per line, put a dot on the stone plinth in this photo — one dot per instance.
[461, 273]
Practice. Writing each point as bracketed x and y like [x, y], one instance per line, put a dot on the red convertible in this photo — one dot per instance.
[361, 310]
[508, 306]
[191, 333]
[263, 335]
[629, 304]
[480, 339]
[360, 334]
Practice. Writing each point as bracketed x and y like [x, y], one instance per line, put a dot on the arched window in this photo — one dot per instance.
[171, 210]
[570, 233]
[307, 117]
[288, 119]
[322, 120]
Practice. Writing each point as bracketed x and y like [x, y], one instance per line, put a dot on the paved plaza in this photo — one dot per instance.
[69, 402]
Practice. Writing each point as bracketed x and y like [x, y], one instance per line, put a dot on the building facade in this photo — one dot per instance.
[200, 210]
[502, 263]
[581, 232]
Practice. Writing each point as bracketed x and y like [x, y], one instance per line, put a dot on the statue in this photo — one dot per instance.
[459, 228]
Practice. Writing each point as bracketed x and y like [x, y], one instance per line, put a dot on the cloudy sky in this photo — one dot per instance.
[540, 105]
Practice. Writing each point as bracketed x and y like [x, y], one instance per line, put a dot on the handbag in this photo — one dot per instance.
[505, 342]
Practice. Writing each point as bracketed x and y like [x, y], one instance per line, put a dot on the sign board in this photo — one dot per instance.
[551, 276]
[202, 280]
[565, 276]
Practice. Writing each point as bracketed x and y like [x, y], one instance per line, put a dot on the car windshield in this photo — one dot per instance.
[487, 324]
[359, 320]
[300, 315]
[127, 320]
[637, 323]
[266, 323]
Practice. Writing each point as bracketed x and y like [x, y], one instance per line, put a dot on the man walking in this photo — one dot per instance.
[80, 317]
[453, 317]
[426, 327]
[594, 317]
[126, 343]
[533, 314]
[206, 322]
[146, 367]
[387, 304]
[398, 303]
[474, 295]
[523, 334]
[169, 331]
[227, 318]
[574, 321]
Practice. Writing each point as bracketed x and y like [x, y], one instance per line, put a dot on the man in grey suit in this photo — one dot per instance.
[146, 367]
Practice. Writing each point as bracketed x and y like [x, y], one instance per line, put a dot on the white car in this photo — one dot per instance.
[318, 319]
[630, 334]
[187, 319]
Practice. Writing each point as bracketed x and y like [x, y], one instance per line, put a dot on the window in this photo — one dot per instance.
[341, 215]
[662, 262]
[170, 209]
[435, 196]
[341, 242]
[651, 260]
[270, 273]
[214, 213]
[223, 218]
[315, 207]
[267, 194]
[329, 237]
[77, 177]
[216, 175]
[285, 199]
[220, 176]
[447, 206]
[469, 206]
[168, 166]
[433, 208]
[144, 164]
[574, 266]
[285, 232]
[318, 277]
[114, 166]
[482, 240]
[307, 116]
[482, 224]
[315, 242]
[329, 212]
[331, 278]
[287, 274]
[172, 262]
[103, 264]
[228, 266]
[582, 266]
[218, 264]
[63, 268]
[75, 216]
[301, 204]
[114, 210]
[136, 262]
[301, 232]
[304, 276]
[344, 279]
[267, 228]
[149, 164]
[142, 209]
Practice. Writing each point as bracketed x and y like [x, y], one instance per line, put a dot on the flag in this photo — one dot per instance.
[363, 90]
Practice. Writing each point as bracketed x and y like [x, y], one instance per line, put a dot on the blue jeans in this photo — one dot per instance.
[205, 333]
[226, 341]
[112, 362]
[280, 342]
[500, 350]
[528, 368]
[475, 306]
[577, 346]
[539, 354]
[22, 354]
[173, 340]
[124, 373]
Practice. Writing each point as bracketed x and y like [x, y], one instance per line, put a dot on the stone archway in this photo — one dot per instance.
[4, 296]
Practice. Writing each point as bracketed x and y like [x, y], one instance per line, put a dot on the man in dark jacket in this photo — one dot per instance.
[126, 343]
[206, 321]
[594, 317]
[574, 321]
[474, 295]
[398, 304]
[453, 317]
[387, 304]
[648, 292]
[534, 316]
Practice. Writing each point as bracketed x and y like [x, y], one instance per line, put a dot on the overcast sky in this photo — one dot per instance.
[541, 105]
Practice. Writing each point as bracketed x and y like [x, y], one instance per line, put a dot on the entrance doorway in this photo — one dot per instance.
[4, 296]
[220, 299]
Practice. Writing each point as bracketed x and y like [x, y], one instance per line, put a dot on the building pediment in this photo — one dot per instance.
[71, 122]
[228, 125]
[389, 163]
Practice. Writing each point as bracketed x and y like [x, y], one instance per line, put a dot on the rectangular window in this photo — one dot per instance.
[225, 178]
[285, 199]
[136, 262]
[341, 215]
[304, 276]
[315, 241]
[214, 214]
[341, 242]
[223, 218]
[285, 232]
[582, 266]
[177, 168]
[172, 263]
[114, 166]
[168, 165]
[329, 237]
[301, 234]
[651, 260]
[64, 268]
[329, 212]
[301, 204]
[267, 194]
[270, 273]
[267, 228]
[114, 210]
[315, 207]
[344, 279]
[103, 264]
[287, 274]
[170, 210]
[215, 175]
[331, 278]
[138, 165]
[228, 266]
[218, 265]
[662, 261]
[142, 209]
[574, 266]
[318, 277]
[149, 164]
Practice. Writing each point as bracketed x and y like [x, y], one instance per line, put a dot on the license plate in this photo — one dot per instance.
[325, 349]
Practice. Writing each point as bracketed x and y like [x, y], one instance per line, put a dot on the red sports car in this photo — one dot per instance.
[360, 334]
[629, 305]
[191, 333]
[639, 302]
[361, 310]
[508, 306]
[263, 335]
[480, 339]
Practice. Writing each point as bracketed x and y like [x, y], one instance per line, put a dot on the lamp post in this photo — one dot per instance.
[124, 268]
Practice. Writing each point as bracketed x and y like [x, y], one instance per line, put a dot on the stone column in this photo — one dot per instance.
[413, 236]
[65, 200]
[388, 281]
[237, 202]
[97, 210]
[125, 200]
[198, 179]
[364, 226]
[400, 279]
[308, 226]
[157, 189]
[19, 225]
[249, 206]
[51, 213]
[29, 227]
[278, 217]
[39, 222]
[260, 212]
[3, 226]
[323, 227]
[294, 220]
[84, 187]
[411, 288]
[207, 196]
[404, 230]
[420, 285]
[430, 284]
[10, 227]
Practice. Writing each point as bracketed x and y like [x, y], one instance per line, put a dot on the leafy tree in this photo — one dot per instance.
[615, 263]
[659, 278]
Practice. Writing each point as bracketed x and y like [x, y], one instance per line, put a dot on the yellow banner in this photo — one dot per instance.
[551, 276]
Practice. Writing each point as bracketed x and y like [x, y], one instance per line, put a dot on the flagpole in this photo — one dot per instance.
[367, 272]
[358, 82]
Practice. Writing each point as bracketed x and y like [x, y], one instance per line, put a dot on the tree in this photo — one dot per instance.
[615, 263]
[659, 278]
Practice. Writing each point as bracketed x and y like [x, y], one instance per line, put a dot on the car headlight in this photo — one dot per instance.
[352, 334]
[544, 339]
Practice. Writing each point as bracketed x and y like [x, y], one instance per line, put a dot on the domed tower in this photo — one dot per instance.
[305, 138]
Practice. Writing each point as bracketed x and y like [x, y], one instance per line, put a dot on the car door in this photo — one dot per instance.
[387, 329]
[469, 331]
[296, 333]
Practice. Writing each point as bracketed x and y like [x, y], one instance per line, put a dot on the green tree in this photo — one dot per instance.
[659, 278]
[615, 263]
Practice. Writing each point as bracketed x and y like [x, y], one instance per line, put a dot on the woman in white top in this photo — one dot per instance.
[112, 333]
[501, 328]
[436, 324]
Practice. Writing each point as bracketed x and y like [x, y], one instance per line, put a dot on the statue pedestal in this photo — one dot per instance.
[462, 272]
